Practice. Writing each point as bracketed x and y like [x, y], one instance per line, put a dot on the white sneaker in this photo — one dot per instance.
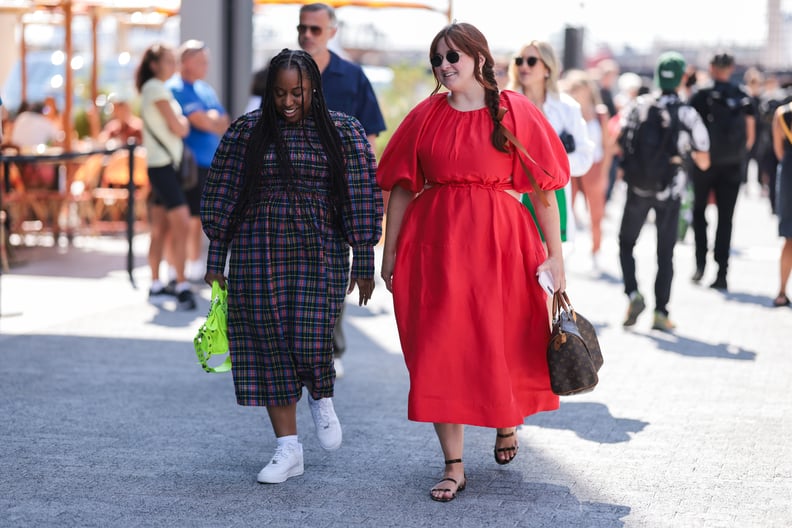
[339, 368]
[286, 462]
[328, 428]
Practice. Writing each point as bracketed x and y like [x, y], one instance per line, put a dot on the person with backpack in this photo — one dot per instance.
[729, 116]
[657, 134]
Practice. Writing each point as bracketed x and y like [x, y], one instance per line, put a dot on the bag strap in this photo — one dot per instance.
[519, 146]
[159, 141]
[784, 125]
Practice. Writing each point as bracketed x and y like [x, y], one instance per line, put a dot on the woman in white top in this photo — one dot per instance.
[534, 73]
[164, 126]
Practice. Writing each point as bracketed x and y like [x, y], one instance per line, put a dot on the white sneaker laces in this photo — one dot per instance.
[325, 409]
[282, 452]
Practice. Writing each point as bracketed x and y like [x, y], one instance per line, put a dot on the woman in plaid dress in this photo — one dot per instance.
[291, 188]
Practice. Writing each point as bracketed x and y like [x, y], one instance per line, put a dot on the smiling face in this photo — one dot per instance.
[292, 95]
[454, 76]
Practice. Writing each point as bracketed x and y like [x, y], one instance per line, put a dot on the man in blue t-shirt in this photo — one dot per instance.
[208, 122]
[346, 89]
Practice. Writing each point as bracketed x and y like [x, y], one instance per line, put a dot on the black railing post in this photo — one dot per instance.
[131, 210]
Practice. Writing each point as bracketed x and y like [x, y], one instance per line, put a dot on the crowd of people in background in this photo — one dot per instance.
[585, 106]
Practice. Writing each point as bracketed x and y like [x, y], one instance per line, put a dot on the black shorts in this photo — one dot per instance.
[165, 187]
[194, 194]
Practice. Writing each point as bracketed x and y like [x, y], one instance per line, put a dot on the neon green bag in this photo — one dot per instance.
[212, 337]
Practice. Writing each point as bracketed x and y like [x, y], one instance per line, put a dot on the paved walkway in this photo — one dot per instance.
[108, 420]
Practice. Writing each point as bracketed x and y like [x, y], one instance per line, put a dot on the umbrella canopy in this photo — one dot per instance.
[62, 12]
[442, 6]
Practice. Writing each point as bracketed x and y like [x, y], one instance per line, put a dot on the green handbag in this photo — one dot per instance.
[212, 337]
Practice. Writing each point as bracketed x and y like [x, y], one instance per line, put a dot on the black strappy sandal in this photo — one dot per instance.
[460, 487]
[505, 450]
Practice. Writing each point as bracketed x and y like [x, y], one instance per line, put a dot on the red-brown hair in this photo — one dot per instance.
[469, 40]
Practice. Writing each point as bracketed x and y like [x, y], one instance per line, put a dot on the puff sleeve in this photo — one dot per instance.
[222, 190]
[550, 163]
[399, 164]
[362, 213]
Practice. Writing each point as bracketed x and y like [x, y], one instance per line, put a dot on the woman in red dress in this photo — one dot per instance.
[462, 254]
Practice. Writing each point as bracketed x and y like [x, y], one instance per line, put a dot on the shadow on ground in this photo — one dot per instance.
[589, 421]
[686, 346]
[70, 260]
[131, 432]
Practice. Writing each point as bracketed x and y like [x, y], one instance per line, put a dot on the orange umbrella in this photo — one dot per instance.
[432, 6]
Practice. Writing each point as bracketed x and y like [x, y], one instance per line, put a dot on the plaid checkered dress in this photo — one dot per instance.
[289, 262]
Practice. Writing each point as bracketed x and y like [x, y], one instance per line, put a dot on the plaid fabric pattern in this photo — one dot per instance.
[289, 262]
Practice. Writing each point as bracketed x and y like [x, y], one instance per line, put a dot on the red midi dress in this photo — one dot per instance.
[472, 319]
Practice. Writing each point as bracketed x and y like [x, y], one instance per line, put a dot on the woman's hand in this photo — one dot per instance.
[556, 268]
[211, 277]
[365, 288]
[386, 271]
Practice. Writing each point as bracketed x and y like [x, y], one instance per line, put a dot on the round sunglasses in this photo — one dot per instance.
[452, 57]
[530, 61]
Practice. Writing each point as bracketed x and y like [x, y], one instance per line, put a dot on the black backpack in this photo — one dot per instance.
[650, 156]
[725, 120]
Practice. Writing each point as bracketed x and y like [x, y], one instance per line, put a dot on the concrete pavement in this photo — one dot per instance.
[109, 421]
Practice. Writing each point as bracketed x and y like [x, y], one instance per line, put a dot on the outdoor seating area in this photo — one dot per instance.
[85, 192]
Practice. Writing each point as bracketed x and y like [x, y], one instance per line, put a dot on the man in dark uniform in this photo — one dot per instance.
[346, 89]
[729, 116]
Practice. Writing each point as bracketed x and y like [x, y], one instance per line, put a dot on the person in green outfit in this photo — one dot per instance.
[534, 72]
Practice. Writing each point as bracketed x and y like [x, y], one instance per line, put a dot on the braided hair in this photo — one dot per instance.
[466, 38]
[266, 132]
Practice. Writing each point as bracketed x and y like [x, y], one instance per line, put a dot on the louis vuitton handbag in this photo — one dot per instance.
[573, 353]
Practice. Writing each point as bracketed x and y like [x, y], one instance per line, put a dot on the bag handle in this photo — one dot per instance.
[784, 125]
[561, 303]
[161, 144]
[519, 146]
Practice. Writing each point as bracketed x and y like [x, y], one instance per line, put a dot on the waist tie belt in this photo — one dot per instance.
[499, 186]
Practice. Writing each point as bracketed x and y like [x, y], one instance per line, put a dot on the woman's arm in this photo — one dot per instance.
[177, 124]
[399, 199]
[550, 222]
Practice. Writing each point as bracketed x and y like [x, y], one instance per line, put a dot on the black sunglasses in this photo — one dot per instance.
[452, 57]
[530, 61]
[315, 30]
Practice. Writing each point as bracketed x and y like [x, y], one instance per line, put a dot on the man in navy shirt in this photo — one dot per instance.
[346, 89]
[208, 122]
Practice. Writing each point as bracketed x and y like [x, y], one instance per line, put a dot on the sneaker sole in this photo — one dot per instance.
[296, 472]
[332, 447]
[663, 328]
[632, 315]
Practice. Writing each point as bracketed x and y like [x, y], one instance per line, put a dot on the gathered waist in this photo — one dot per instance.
[495, 186]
